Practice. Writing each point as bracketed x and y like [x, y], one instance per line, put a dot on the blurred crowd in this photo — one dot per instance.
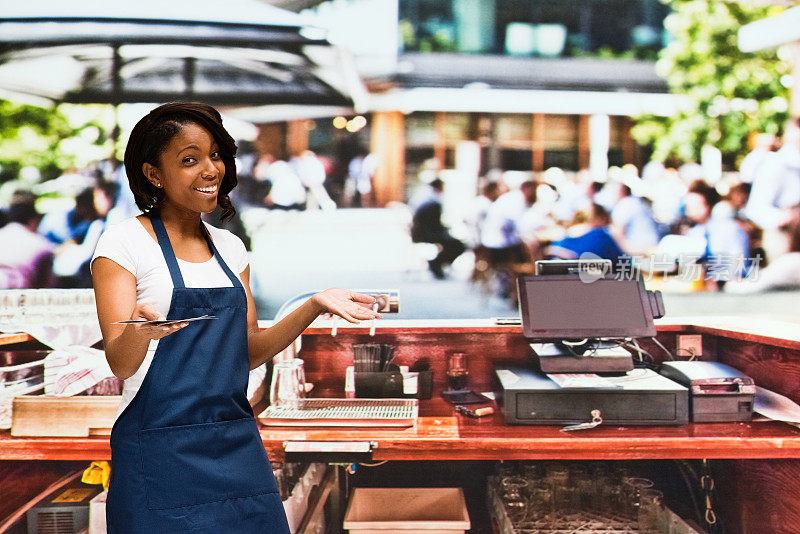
[48, 230]
[306, 181]
[737, 231]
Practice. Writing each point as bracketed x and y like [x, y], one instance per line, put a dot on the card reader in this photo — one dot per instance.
[717, 392]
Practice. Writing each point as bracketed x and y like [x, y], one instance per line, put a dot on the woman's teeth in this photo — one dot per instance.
[211, 189]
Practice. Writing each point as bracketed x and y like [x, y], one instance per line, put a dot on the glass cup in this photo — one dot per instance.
[611, 500]
[556, 475]
[652, 514]
[542, 501]
[301, 371]
[533, 472]
[513, 483]
[513, 488]
[457, 372]
[632, 489]
[288, 385]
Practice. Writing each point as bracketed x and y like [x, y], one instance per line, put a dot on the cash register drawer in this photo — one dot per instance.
[623, 407]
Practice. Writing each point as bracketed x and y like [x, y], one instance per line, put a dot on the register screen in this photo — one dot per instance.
[571, 308]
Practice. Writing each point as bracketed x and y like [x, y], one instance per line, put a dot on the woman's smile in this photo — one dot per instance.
[208, 190]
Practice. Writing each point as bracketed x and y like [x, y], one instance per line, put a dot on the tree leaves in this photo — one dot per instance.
[730, 93]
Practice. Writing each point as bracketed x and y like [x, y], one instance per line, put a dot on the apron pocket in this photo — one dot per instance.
[196, 464]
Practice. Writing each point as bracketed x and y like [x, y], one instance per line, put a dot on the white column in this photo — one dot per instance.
[599, 140]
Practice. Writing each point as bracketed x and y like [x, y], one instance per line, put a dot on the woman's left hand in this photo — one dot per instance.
[347, 304]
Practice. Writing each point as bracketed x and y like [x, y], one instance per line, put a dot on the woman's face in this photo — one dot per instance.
[190, 170]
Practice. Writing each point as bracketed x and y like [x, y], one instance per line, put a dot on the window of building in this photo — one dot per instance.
[539, 28]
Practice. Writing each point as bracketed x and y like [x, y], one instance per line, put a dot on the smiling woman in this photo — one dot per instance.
[193, 162]
[186, 139]
[185, 434]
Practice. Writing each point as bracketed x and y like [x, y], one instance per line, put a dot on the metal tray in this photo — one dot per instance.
[344, 412]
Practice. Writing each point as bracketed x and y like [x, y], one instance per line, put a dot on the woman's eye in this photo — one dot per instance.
[215, 155]
[188, 161]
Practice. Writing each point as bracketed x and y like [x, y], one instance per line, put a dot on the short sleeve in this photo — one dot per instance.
[116, 245]
[242, 260]
[231, 247]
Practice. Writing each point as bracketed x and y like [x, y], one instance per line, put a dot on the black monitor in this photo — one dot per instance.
[567, 307]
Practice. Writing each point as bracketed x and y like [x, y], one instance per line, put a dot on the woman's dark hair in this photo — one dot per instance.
[150, 138]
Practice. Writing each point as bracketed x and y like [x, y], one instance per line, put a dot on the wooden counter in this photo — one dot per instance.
[769, 354]
[759, 479]
[454, 437]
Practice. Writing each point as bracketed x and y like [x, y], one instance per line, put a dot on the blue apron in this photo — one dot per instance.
[186, 452]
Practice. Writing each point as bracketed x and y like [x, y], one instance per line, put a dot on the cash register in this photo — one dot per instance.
[582, 321]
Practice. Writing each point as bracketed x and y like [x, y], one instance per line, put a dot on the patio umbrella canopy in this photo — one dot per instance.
[238, 52]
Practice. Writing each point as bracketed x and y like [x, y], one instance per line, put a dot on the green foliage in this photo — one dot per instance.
[50, 139]
[438, 40]
[604, 52]
[727, 93]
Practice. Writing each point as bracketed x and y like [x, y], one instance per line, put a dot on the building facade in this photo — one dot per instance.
[476, 85]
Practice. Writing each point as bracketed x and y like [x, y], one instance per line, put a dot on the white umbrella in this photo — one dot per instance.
[240, 52]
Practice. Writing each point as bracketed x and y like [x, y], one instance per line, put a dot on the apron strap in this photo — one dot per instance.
[234, 279]
[166, 250]
[172, 262]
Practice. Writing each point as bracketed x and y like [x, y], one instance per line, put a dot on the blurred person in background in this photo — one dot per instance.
[691, 171]
[732, 206]
[593, 187]
[783, 271]
[763, 145]
[666, 197]
[717, 242]
[589, 234]
[112, 170]
[571, 189]
[478, 208]
[776, 183]
[27, 257]
[71, 262]
[652, 171]
[311, 172]
[360, 174]
[70, 225]
[501, 234]
[286, 190]
[633, 225]
[737, 198]
[427, 227]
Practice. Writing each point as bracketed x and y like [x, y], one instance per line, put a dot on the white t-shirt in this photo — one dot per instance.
[131, 246]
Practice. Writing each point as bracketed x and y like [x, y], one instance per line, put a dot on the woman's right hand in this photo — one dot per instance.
[148, 312]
